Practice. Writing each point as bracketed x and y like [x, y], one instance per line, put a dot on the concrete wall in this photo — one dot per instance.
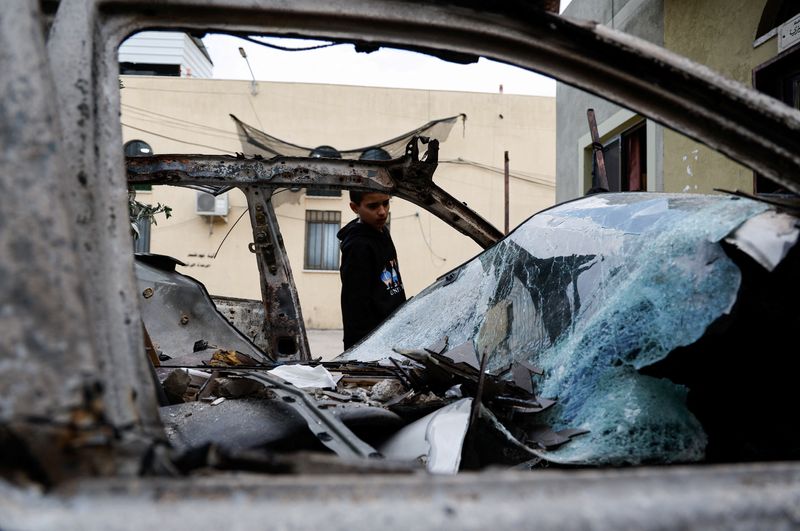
[716, 33]
[176, 115]
[722, 34]
[642, 18]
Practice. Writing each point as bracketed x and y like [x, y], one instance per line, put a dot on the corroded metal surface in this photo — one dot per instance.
[739, 497]
[178, 313]
[279, 171]
[245, 315]
[283, 318]
[62, 412]
[408, 177]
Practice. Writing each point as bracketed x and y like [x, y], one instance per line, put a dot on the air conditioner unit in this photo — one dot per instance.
[209, 205]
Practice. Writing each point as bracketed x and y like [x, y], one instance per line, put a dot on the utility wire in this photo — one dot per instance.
[519, 176]
[187, 128]
[178, 120]
[285, 48]
[197, 129]
[427, 244]
[175, 139]
[246, 210]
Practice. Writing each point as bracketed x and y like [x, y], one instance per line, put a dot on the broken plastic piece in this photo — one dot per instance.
[767, 238]
[454, 392]
[436, 438]
[328, 429]
[525, 406]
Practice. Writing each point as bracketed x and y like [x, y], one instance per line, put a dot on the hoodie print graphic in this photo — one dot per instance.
[391, 279]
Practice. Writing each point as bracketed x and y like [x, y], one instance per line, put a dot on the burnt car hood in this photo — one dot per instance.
[595, 292]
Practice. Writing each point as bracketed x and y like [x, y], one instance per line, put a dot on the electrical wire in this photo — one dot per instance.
[427, 244]
[526, 177]
[285, 48]
[174, 139]
[141, 120]
[175, 119]
[246, 210]
[195, 129]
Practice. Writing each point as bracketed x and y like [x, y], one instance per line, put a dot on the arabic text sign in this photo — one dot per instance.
[789, 33]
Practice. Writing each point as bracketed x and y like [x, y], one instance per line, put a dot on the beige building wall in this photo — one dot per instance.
[722, 33]
[180, 115]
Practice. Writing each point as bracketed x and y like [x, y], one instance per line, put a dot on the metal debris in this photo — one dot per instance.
[547, 439]
[411, 411]
[175, 296]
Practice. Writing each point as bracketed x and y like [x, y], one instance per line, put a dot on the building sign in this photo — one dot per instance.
[789, 33]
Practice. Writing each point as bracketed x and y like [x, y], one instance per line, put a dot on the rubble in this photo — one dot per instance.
[416, 412]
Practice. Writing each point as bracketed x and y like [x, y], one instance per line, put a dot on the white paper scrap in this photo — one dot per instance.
[305, 376]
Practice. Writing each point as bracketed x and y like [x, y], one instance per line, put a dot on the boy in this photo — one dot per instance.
[371, 284]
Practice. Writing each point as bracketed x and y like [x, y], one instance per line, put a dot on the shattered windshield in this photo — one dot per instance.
[591, 292]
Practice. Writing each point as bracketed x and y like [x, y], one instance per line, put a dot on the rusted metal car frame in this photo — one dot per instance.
[408, 177]
[78, 400]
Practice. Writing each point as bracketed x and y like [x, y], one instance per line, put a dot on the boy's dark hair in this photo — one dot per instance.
[357, 197]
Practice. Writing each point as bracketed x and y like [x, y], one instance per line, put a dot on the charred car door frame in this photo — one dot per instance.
[105, 400]
[408, 177]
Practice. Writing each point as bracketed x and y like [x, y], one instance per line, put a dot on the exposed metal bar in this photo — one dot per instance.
[597, 150]
[473, 416]
[283, 316]
[185, 170]
[328, 429]
[408, 178]
[505, 188]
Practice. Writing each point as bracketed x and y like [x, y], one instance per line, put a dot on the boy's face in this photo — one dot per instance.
[373, 210]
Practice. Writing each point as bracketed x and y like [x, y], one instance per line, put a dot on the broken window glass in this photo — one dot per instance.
[592, 291]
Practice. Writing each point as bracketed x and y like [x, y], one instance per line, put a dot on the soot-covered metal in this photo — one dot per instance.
[80, 402]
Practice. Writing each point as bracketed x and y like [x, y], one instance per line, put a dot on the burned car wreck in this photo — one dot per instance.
[617, 329]
[609, 320]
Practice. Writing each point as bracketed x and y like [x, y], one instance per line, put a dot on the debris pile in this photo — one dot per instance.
[438, 408]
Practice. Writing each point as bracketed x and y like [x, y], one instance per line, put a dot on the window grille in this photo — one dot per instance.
[322, 246]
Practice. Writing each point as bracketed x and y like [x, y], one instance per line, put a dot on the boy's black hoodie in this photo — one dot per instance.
[371, 284]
